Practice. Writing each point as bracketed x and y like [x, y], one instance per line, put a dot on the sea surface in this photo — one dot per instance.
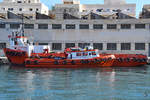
[120, 83]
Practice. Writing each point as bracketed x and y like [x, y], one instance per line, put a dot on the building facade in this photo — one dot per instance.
[109, 35]
[26, 7]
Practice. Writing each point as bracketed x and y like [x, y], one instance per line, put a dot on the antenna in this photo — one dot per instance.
[22, 25]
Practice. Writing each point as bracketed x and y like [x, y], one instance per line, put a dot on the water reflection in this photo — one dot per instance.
[75, 84]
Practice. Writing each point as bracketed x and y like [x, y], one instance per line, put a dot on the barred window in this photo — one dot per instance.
[98, 46]
[83, 45]
[56, 26]
[111, 46]
[68, 45]
[139, 26]
[2, 25]
[70, 26]
[43, 43]
[84, 26]
[139, 46]
[125, 26]
[29, 26]
[111, 26]
[2, 45]
[42, 26]
[97, 26]
[56, 46]
[14, 26]
[125, 46]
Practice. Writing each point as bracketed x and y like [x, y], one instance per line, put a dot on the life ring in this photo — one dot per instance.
[7, 52]
[120, 60]
[28, 62]
[82, 61]
[23, 53]
[56, 62]
[36, 62]
[64, 62]
[49, 57]
[128, 59]
[73, 62]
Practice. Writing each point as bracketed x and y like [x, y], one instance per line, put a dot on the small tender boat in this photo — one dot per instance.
[73, 58]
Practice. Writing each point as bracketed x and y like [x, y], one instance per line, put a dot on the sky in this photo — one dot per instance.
[139, 3]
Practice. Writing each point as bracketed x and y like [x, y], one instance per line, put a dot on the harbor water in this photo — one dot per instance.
[130, 83]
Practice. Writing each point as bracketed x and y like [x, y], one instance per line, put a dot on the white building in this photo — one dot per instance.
[109, 7]
[27, 7]
[108, 35]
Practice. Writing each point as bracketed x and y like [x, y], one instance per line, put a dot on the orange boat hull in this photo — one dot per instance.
[50, 63]
[16, 57]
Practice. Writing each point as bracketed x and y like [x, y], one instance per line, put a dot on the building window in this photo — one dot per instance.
[139, 46]
[14, 26]
[125, 26]
[125, 46]
[29, 26]
[98, 46]
[2, 45]
[56, 26]
[111, 26]
[83, 45]
[19, 1]
[43, 43]
[37, 9]
[84, 26]
[20, 9]
[42, 26]
[56, 46]
[139, 26]
[98, 26]
[2, 25]
[111, 46]
[68, 45]
[30, 9]
[70, 26]
[10, 9]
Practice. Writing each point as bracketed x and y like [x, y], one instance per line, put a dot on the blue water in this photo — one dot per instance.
[19, 83]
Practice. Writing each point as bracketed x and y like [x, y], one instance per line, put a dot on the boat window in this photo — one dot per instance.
[85, 54]
[78, 54]
[93, 53]
[90, 54]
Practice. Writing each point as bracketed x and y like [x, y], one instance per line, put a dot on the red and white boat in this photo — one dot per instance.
[21, 52]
